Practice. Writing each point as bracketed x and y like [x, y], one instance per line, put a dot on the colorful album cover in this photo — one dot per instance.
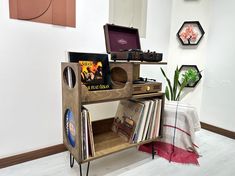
[95, 72]
[91, 72]
[70, 127]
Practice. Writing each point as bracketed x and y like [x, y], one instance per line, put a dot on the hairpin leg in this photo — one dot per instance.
[80, 165]
[88, 166]
[87, 171]
[71, 160]
[153, 152]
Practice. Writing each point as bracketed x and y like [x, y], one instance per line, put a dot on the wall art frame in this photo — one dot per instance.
[56, 12]
[190, 33]
[193, 69]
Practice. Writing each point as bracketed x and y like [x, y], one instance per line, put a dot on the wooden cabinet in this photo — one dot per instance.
[75, 94]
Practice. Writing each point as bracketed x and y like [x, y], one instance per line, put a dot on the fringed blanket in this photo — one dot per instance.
[180, 122]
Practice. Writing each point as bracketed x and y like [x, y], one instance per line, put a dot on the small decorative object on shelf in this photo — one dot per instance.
[191, 73]
[190, 33]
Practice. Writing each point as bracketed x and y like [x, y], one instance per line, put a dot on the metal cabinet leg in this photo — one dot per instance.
[88, 166]
[87, 171]
[71, 160]
[80, 165]
[153, 151]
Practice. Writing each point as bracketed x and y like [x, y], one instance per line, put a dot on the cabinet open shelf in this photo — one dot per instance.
[143, 62]
[107, 142]
[75, 95]
[147, 95]
[110, 142]
[99, 96]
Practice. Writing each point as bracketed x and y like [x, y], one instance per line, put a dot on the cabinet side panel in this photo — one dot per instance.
[71, 99]
[136, 71]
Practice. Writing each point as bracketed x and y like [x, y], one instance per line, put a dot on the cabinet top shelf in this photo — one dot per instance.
[139, 62]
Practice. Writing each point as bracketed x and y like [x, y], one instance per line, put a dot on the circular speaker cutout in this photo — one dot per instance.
[118, 77]
[69, 77]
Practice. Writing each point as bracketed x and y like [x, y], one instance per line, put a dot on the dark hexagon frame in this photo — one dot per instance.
[185, 67]
[194, 23]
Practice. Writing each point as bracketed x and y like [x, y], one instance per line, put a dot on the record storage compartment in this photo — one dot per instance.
[75, 94]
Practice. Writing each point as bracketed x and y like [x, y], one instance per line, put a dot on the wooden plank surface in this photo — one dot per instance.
[138, 62]
[148, 95]
[110, 142]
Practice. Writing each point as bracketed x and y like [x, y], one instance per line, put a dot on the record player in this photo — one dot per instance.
[123, 43]
[145, 85]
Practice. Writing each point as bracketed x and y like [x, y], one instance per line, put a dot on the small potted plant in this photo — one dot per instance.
[173, 91]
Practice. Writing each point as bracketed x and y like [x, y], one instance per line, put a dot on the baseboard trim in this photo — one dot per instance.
[17, 159]
[218, 130]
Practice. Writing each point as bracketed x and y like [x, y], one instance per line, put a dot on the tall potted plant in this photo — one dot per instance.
[174, 91]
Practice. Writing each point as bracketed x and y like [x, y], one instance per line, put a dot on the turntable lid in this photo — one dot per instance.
[119, 38]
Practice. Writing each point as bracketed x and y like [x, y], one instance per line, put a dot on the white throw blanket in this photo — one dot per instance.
[180, 122]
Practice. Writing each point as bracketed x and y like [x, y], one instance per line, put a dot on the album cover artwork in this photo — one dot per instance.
[95, 72]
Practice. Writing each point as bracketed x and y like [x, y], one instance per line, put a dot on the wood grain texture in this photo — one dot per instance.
[105, 141]
[17, 159]
[136, 71]
[150, 87]
[149, 95]
[102, 126]
[218, 130]
[111, 94]
[109, 143]
[71, 99]
[99, 96]
[140, 63]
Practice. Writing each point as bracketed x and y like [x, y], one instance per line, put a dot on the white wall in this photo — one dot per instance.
[214, 95]
[131, 13]
[30, 56]
[183, 10]
[218, 89]
[157, 35]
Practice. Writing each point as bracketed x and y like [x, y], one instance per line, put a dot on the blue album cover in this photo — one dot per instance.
[70, 127]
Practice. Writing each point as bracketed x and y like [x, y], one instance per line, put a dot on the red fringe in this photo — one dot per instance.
[171, 153]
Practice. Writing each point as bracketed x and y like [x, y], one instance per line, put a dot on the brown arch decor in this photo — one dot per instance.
[58, 12]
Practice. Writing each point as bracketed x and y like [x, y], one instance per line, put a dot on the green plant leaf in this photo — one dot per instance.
[183, 84]
[169, 84]
[176, 81]
[191, 75]
[167, 93]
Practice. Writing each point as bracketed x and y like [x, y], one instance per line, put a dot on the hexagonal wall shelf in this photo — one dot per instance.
[190, 70]
[190, 33]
